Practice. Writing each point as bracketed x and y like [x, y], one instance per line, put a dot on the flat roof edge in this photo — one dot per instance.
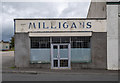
[60, 19]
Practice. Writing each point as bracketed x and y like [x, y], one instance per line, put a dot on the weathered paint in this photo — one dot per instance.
[112, 37]
[47, 25]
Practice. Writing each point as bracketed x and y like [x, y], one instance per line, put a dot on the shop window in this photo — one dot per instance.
[63, 46]
[80, 42]
[65, 39]
[41, 42]
[60, 39]
[55, 39]
[76, 42]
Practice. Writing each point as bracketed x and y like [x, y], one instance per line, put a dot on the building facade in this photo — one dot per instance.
[109, 10]
[62, 43]
[5, 45]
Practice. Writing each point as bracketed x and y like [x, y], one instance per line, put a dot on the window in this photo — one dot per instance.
[41, 42]
[40, 49]
[80, 42]
[76, 42]
[60, 39]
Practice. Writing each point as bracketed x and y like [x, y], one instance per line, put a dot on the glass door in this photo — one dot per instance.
[60, 56]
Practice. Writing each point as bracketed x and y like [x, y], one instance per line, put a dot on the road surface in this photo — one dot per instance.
[60, 77]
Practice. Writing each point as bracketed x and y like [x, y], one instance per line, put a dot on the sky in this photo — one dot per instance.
[12, 10]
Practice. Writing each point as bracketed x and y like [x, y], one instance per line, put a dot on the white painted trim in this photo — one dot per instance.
[51, 56]
[60, 34]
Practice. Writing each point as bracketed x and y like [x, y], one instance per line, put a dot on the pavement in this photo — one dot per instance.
[7, 59]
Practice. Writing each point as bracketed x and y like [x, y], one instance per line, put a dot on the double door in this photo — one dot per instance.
[60, 56]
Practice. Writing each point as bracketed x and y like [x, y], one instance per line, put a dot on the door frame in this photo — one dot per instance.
[69, 56]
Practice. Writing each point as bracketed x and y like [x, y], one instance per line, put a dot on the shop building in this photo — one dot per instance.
[65, 43]
[61, 43]
[109, 9]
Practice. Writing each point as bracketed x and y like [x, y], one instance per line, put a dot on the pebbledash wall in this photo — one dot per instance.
[94, 56]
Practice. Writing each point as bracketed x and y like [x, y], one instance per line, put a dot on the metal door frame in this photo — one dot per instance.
[69, 56]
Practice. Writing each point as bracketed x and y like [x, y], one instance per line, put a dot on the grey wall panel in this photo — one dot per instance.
[22, 50]
[99, 50]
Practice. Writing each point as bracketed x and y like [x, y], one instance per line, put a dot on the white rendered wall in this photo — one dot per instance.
[112, 37]
[119, 35]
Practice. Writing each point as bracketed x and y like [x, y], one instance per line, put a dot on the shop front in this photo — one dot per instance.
[60, 43]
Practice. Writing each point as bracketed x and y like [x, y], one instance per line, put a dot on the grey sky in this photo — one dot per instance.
[11, 10]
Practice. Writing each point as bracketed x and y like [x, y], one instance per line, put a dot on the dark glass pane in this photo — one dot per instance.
[73, 44]
[40, 42]
[56, 40]
[55, 63]
[35, 44]
[63, 63]
[80, 42]
[55, 47]
[65, 39]
[63, 46]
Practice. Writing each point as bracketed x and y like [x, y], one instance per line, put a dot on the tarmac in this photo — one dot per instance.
[48, 71]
